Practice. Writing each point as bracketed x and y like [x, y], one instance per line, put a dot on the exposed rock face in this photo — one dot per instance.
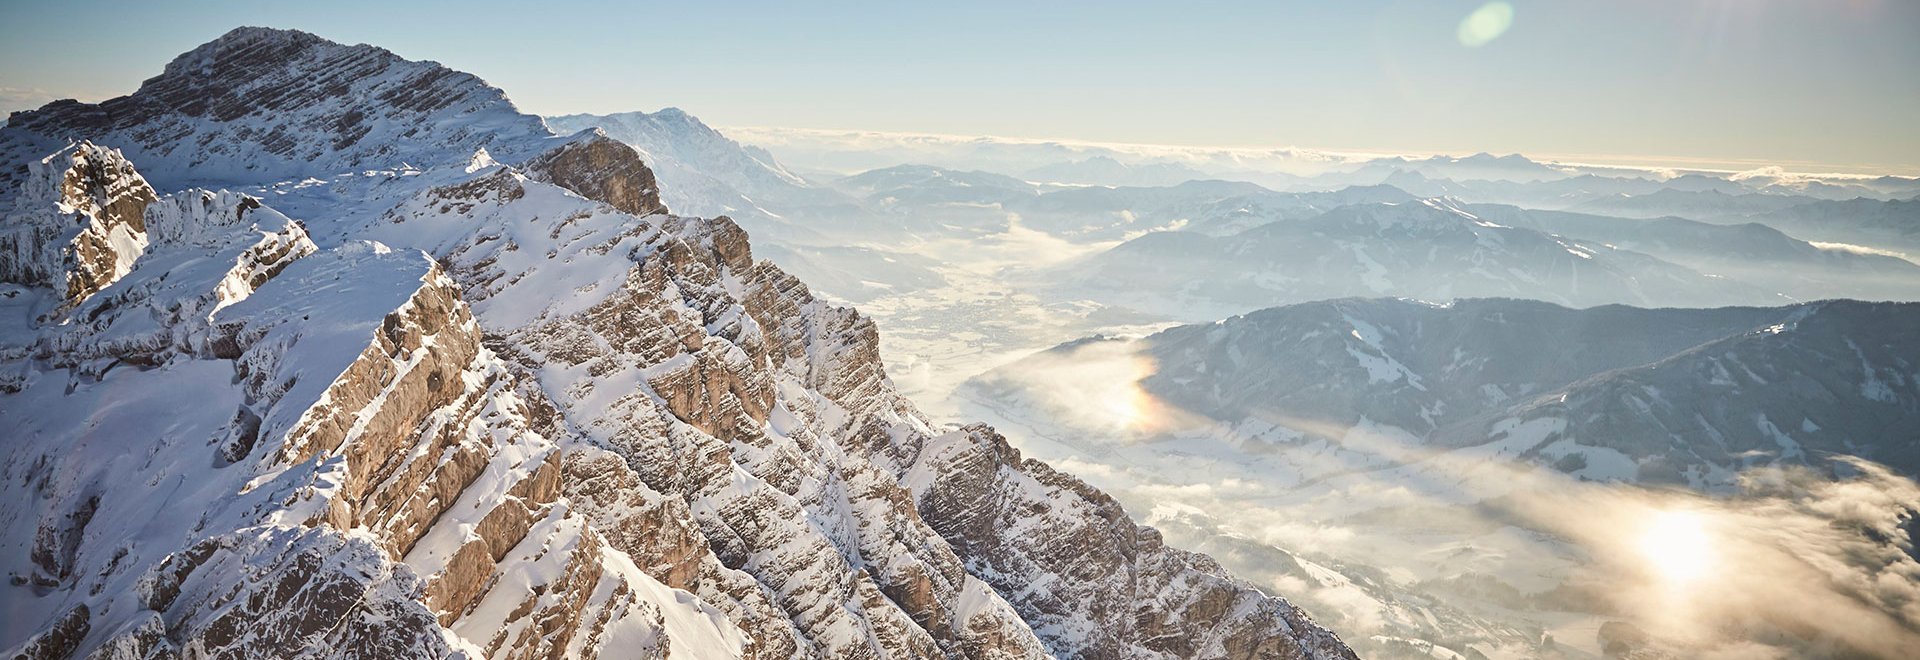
[582, 427]
[600, 169]
[673, 135]
[208, 250]
[703, 172]
[321, 591]
[372, 429]
[684, 390]
[78, 222]
[760, 407]
[1094, 584]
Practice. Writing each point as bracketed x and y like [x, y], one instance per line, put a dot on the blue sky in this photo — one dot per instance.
[1805, 83]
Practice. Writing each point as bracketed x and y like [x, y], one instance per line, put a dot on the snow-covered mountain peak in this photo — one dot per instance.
[263, 104]
[501, 403]
[673, 115]
[202, 61]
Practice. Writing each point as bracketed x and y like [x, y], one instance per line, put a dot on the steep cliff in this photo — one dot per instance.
[508, 410]
[77, 222]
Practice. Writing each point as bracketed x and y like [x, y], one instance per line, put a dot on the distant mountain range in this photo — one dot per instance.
[1675, 260]
[1751, 252]
[1428, 250]
[1683, 396]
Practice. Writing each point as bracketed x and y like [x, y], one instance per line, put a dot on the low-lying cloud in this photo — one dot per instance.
[1797, 561]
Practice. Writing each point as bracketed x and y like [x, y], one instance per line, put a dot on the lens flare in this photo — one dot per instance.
[1677, 546]
[1486, 24]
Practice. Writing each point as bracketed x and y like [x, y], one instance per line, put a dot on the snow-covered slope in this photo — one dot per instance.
[1881, 223]
[1453, 372]
[456, 385]
[1678, 391]
[1751, 252]
[276, 105]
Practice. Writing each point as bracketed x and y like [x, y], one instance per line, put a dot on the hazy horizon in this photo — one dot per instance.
[1713, 84]
[1651, 164]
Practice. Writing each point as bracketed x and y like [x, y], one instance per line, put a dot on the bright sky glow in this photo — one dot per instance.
[1797, 83]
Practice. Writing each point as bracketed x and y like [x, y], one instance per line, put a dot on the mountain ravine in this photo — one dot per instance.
[308, 350]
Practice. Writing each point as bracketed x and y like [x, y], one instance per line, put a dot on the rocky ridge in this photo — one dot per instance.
[576, 425]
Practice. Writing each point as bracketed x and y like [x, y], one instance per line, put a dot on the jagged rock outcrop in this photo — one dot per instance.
[576, 426]
[683, 388]
[355, 470]
[78, 221]
[762, 407]
[287, 592]
[1094, 584]
[600, 169]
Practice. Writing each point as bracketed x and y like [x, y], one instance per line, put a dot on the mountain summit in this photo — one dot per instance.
[260, 104]
[313, 351]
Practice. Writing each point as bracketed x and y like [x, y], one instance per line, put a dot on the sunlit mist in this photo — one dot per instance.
[1677, 546]
[1097, 387]
[1123, 407]
[1790, 561]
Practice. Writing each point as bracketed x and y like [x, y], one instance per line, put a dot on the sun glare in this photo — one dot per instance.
[1124, 407]
[1677, 546]
[1100, 387]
